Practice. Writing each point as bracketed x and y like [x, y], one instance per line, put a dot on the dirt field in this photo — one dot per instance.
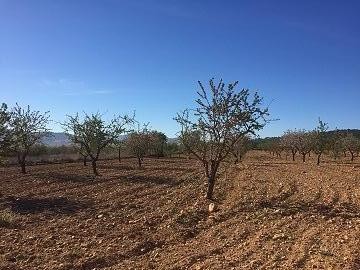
[271, 214]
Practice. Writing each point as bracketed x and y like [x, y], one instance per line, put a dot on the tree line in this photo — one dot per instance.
[217, 129]
[318, 141]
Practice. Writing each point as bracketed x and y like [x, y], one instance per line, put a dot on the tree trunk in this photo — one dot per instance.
[318, 159]
[93, 164]
[119, 155]
[22, 162]
[85, 161]
[23, 167]
[293, 155]
[210, 189]
[211, 179]
[304, 157]
[139, 162]
[352, 156]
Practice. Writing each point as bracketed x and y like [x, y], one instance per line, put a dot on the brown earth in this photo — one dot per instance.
[270, 213]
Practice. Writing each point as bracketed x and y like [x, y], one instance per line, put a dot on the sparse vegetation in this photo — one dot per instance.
[27, 127]
[7, 218]
[92, 134]
[223, 116]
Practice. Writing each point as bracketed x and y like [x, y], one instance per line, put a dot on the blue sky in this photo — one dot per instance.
[117, 56]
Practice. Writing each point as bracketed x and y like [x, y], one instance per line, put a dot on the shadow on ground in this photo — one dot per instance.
[56, 205]
[66, 177]
[156, 180]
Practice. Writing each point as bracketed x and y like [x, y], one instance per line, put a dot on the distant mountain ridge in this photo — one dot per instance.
[56, 139]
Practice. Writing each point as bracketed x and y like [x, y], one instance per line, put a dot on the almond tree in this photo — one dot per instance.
[157, 143]
[336, 144]
[351, 144]
[321, 140]
[92, 134]
[223, 116]
[5, 135]
[27, 127]
[288, 142]
[138, 143]
[304, 142]
[241, 147]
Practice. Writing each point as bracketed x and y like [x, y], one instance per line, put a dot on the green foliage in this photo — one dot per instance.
[27, 127]
[157, 143]
[7, 218]
[5, 135]
[138, 143]
[92, 134]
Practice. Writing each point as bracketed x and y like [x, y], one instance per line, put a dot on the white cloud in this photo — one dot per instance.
[67, 87]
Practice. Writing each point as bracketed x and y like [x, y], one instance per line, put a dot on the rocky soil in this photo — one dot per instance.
[270, 213]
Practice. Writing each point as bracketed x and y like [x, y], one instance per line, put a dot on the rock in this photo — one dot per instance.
[278, 236]
[211, 207]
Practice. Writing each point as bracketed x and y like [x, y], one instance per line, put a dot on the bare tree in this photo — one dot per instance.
[351, 144]
[27, 128]
[320, 139]
[223, 116]
[288, 142]
[93, 134]
[138, 143]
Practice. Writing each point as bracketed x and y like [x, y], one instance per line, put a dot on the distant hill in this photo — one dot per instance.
[56, 139]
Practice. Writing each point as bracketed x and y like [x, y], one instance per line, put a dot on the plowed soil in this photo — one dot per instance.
[271, 213]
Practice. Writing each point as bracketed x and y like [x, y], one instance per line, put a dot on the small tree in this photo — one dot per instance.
[171, 148]
[138, 143]
[320, 139]
[157, 143]
[351, 144]
[223, 117]
[119, 144]
[27, 128]
[336, 144]
[304, 143]
[5, 134]
[241, 147]
[288, 142]
[93, 134]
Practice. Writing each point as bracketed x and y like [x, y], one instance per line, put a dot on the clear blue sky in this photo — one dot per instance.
[117, 56]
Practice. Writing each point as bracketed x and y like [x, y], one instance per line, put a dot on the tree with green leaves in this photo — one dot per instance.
[138, 143]
[5, 134]
[92, 133]
[171, 148]
[27, 127]
[320, 139]
[223, 116]
[157, 143]
[351, 144]
[336, 146]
